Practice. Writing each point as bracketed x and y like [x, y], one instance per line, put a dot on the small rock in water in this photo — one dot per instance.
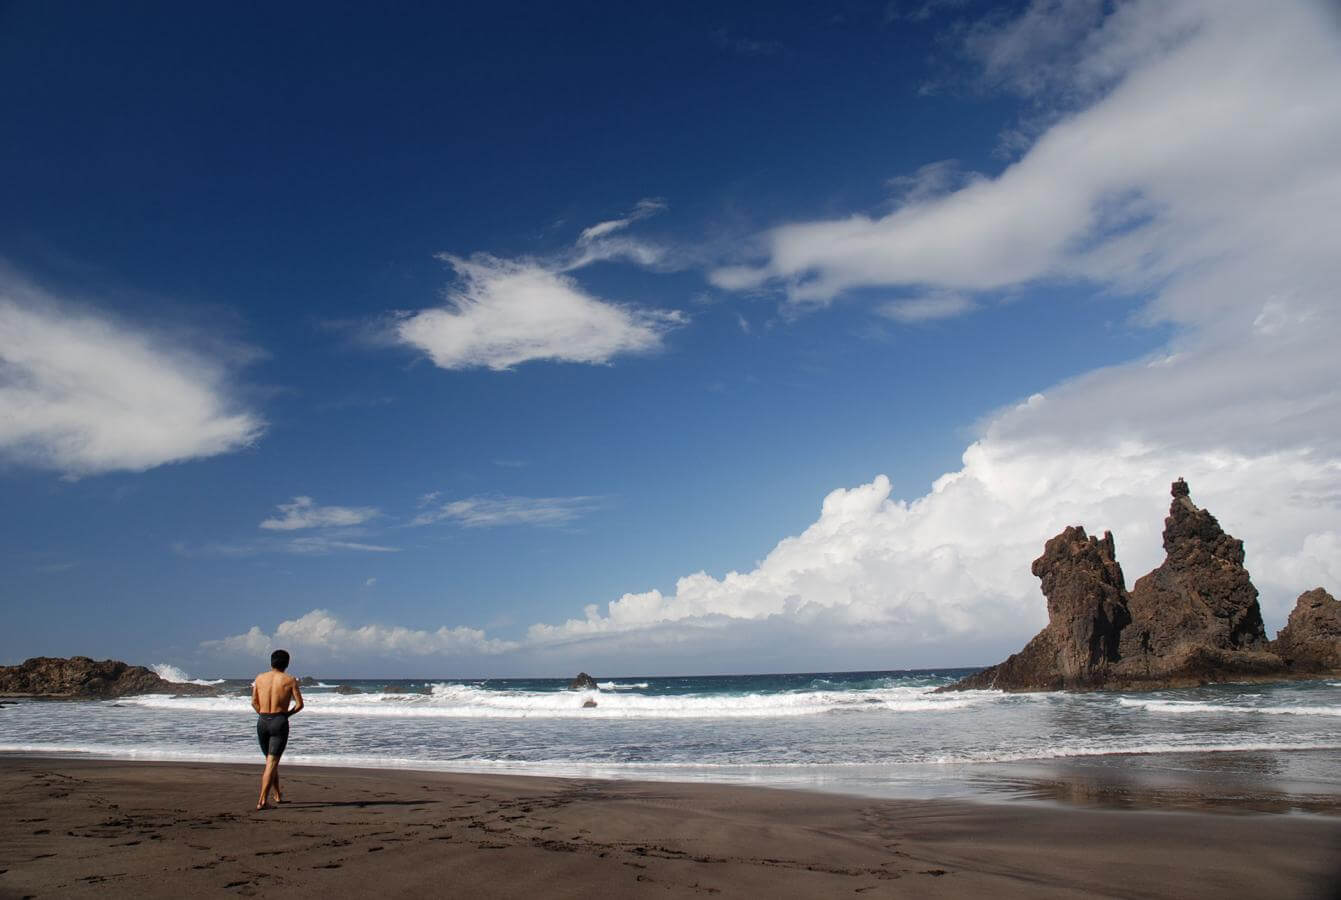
[347, 689]
[588, 703]
[583, 682]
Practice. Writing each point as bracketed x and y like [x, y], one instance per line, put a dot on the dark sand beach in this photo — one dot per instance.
[89, 827]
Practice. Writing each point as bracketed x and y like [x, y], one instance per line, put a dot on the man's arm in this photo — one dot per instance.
[255, 698]
[297, 698]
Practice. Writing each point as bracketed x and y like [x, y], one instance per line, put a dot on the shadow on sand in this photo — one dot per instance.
[329, 804]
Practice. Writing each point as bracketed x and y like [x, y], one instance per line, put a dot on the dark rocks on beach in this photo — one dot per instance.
[308, 681]
[394, 689]
[583, 682]
[1194, 620]
[347, 689]
[82, 678]
[1311, 639]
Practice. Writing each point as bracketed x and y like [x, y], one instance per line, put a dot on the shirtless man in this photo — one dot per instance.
[271, 694]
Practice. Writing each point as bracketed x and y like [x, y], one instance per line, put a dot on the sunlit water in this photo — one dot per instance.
[875, 733]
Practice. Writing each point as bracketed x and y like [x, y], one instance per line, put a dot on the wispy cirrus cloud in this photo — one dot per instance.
[938, 305]
[334, 529]
[320, 545]
[746, 46]
[306, 545]
[648, 206]
[303, 512]
[84, 392]
[496, 511]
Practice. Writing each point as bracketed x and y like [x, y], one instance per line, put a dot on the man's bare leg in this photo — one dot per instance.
[267, 778]
[274, 786]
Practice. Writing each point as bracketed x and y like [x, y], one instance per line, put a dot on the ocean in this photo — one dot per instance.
[873, 733]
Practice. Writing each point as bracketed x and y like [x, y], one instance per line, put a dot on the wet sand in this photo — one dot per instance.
[85, 827]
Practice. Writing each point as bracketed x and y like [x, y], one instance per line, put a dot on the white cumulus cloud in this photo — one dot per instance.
[321, 636]
[507, 312]
[82, 392]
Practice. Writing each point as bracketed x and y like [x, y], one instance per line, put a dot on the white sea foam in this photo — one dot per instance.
[468, 701]
[617, 686]
[171, 673]
[1192, 706]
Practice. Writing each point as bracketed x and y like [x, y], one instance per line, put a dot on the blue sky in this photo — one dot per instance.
[782, 336]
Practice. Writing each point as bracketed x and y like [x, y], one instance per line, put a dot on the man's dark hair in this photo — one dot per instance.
[279, 660]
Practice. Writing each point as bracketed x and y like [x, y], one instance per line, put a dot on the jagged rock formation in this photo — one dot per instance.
[583, 682]
[1201, 594]
[1311, 639]
[1195, 619]
[82, 678]
[1087, 610]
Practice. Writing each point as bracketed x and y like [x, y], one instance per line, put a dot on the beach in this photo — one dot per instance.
[82, 827]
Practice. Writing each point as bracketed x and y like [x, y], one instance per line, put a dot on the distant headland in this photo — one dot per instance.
[1194, 620]
[81, 678]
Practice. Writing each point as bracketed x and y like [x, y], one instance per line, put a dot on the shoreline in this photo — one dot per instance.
[77, 827]
[1154, 782]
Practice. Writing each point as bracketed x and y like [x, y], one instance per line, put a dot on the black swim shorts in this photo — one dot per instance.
[272, 730]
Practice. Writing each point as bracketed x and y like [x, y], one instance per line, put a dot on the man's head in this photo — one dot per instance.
[279, 660]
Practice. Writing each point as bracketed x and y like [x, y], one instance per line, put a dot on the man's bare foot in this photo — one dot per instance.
[262, 805]
[278, 797]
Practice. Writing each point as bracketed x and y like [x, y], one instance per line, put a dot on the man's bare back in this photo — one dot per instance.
[273, 691]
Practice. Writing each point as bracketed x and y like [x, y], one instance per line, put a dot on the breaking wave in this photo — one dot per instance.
[171, 673]
[1192, 706]
[468, 701]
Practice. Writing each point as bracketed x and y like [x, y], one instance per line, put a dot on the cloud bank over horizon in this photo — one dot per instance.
[1200, 174]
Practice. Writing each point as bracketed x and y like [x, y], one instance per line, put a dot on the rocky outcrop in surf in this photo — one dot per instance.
[79, 677]
[1194, 620]
[1311, 638]
[583, 682]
